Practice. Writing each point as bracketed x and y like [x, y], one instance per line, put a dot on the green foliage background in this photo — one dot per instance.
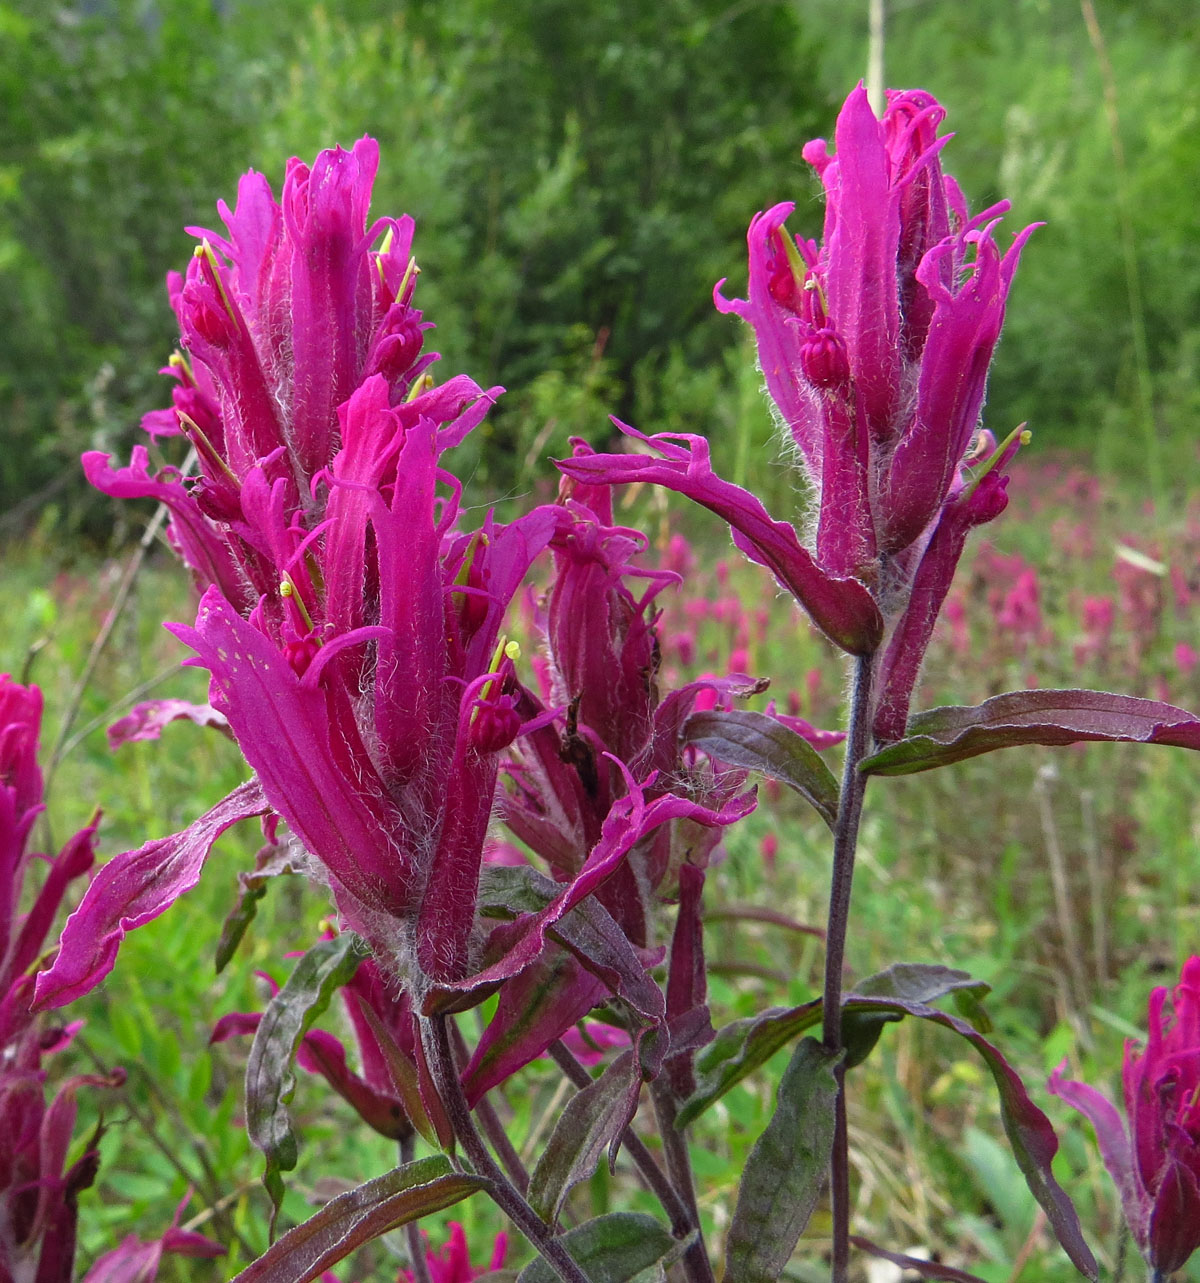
[581, 175]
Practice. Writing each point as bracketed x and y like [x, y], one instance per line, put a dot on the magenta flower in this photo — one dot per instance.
[1155, 1164]
[352, 629]
[875, 348]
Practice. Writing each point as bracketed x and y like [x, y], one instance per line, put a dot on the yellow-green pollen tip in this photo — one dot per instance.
[513, 650]
[410, 271]
[205, 251]
[421, 385]
[287, 590]
[1020, 432]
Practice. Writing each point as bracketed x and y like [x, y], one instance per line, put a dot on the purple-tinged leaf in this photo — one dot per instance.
[611, 1249]
[270, 1083]
[1029, 1131]
[148, 721]
[594, 1119]
[589, 931]
[404, 1075]
[535, 1009]
[272, 861]
[920, 982]
[743, 1046]
[786, 1170]
[914, 1264]
[133, 889]
[1053, 717]
[742, 737]
[360, 1215]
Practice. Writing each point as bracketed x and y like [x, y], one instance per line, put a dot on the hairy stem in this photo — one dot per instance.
[493, 1128]
[435, 1037]
[845, 844]
[418, 1260]
[655, 1178]
[679, 1167]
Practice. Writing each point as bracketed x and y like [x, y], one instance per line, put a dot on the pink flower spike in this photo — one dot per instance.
[1154, 1158]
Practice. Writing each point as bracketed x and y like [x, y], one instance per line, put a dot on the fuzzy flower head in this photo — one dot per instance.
[1155, 1163]
[875, 343]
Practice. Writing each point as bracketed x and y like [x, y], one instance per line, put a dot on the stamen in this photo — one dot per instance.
[204, 252]
[287, 590]
[423, 384]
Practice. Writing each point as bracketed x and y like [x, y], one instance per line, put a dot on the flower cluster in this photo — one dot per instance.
[875, 347]
[1155, 1162]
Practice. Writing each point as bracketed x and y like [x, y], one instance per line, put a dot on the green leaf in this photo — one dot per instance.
[920, 982]
[1052, 717]
[742, 737]
[786, 1170]
[744, 1045]
[594, 1118]
[354, 1218]
[740, 1048]
[272, 862]
[612, 1249]
[270, 1083]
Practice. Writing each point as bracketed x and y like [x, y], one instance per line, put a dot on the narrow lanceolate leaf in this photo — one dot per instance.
[786, 1170]
[1054, 717]
[612, 1249]
[592, 1120]
[1029, 1131]
[270, 1082]
[356, 1217]
[742, 737]
[741, 1047]
[272, 862]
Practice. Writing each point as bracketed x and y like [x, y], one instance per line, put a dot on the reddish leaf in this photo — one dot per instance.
[1054, 717]
[358, 1216]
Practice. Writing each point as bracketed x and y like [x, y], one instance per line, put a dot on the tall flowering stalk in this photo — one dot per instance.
[354, 635]
[875, 345]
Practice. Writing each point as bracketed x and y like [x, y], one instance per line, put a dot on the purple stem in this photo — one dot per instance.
[493, 1128]
[696, 1264]
[845, 844]
[435, 1038]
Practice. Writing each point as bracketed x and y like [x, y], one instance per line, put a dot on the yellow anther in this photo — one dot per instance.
[421, 385]
[204, 446]
[1021, 432]
[287, 590]
[410, 271]
[205, 251]
[513, 650]
[177, 361]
